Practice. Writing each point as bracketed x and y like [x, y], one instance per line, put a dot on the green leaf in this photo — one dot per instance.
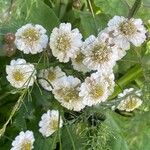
[89, 24]
[118, 141]
[25, 112]
[38, 12]
[42, 143]
[113, 7]
[27, 11]
[128, 61]
[70, 137]
[43, 15]
[130, 133]
[131, 75]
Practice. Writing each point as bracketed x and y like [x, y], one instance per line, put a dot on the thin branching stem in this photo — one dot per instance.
[135, 8]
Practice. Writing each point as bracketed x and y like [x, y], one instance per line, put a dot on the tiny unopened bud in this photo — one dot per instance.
[9, 38]
[77, 4]
[9, 49]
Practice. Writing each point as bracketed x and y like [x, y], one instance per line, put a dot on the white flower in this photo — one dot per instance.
[108, 77]
[64, 42]
[88, 41]
[130, 99]
[31, 39]
[24, 141]
[66, 91]
[50, 122]
[77, 62]
[20, 74]
[96, 89]
[100, 54]
[130, 91]
[121, 52]
[127, 31]
[50, 75]
[129, 103]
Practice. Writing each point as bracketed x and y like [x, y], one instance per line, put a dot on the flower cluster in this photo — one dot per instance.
[96, 55]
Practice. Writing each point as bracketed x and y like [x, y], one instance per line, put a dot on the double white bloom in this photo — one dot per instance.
[126, 31]
[50, 122]
[24, 141]
[20, 74]
[77, 62]
[31, 39]
[96, 88]
[130, 100]
[65, 42]
[99, 53]
[66, 91]
[49, 76]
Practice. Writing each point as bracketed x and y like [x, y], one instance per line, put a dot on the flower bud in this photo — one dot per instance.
[77, 4]
[9, 49]
[9, 38]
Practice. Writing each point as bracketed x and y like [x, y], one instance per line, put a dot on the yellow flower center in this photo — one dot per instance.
[31, 35]
[54, 125]
[79, 58]
[26, 146]
[131, 104]
[100, 53]
[69, 94]
[51, 75]
[18, 75]
[128, 28]
[97, 91]
[63, 42]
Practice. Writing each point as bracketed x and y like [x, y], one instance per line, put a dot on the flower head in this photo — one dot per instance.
[20, 74]
[49, 76]
[100, 54]
[66, 91]
[120, 52]
[31, 39]
[130, 91]
[108, 77]
[65, 42]
[129, 103]
[24, 141]
[50, 122]
[96, 89]
[127, 31]
[130, 100]
[77, 62]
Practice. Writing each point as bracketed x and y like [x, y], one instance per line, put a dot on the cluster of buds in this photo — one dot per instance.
[9, 46]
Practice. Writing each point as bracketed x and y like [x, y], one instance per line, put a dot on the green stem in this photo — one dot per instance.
[14, 110]
[131, 75]
[91, 9]
[135, 8]
[59, 132]
[73, 145]
[54, 141]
